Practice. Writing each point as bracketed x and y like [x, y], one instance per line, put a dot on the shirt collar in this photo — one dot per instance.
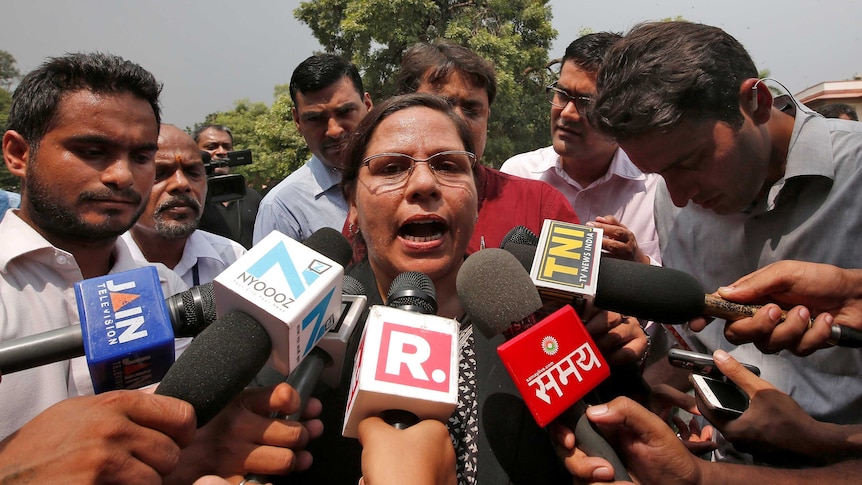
[27, 241]
[807, 154]
[325, 176]
[621, 166]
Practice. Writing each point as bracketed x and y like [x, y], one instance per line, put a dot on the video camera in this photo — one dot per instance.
[225, 187]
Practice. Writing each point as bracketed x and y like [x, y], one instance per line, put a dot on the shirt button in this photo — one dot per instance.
[62, 259]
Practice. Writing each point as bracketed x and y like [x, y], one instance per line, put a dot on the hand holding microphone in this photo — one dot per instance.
[115, 437]
[419, 455]
[825, 305]
[406, 368]
[554, 363]
[673, 297]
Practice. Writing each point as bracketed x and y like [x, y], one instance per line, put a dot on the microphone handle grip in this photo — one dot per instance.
[590, 441]
[845, 336]
[40, 349]
[302, 380]
[305, 377]
[718, 307]
[399, 418]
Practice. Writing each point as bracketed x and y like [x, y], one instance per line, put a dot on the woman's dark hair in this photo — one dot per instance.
[355, 149]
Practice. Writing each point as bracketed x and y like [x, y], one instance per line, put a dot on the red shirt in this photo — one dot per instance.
[507, 201]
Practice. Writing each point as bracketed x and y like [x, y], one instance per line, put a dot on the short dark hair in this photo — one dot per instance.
[442, 58]
[587, 51]
[321, 71]
[661, 73]
[835, 110]
[204, 127]
[355, 149]
[36, 99]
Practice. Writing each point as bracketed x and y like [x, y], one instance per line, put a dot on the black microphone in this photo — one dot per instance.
[496, 291]
[671, 296]
[332, 244]
[520, 235]
[666, 295]
[411, 291]
[406, 367]
[218, 364]
[329, 352]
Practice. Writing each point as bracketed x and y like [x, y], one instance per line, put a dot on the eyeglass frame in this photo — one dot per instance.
[397, 185]
[580, 101]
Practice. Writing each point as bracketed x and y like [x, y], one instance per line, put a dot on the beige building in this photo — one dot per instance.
[847, 92]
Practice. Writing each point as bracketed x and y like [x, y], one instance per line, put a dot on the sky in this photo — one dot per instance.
[212, 53]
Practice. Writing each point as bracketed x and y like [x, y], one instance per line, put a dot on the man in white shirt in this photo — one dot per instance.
[167, 230]
[83, 131]
[596, 176]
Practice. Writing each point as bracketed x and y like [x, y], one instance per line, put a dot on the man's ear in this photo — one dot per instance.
[16, 153]
[756, 99]
[295, 115]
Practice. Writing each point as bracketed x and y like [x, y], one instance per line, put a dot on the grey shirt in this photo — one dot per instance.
[814, 213]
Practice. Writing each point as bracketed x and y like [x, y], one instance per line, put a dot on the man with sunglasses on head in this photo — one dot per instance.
[596, 176]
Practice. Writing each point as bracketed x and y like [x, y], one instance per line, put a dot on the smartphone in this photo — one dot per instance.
[721, 397]
[698, 363]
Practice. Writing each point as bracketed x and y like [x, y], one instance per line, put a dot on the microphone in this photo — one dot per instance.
[325, 362]
[520, 235]
[189, 312]
[644, 291]
[208, 375]
[288, 287]
[553, 363]
[406, 368]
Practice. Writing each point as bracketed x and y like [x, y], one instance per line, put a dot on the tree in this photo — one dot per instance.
[269, 132]
[8, 75]
[514, 34]
[8, 72]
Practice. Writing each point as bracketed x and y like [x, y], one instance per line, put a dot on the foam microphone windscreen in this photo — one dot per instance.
[496, 291]
[332, 244]
[648, 292]
[218, 364]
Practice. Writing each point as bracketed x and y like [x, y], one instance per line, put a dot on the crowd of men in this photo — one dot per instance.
[664, 137]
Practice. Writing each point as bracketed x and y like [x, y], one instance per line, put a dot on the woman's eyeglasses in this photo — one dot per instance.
[390, 171]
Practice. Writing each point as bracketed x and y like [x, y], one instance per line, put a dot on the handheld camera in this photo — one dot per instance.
[225, 187]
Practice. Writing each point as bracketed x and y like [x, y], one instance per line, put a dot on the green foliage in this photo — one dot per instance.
[269, 132]
[8, 74]
[514, 34]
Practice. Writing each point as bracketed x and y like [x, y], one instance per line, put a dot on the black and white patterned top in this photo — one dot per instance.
[464, 422]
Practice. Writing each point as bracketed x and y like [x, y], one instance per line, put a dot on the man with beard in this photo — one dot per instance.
[167, 230]
[328, 103]
[83, 132]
